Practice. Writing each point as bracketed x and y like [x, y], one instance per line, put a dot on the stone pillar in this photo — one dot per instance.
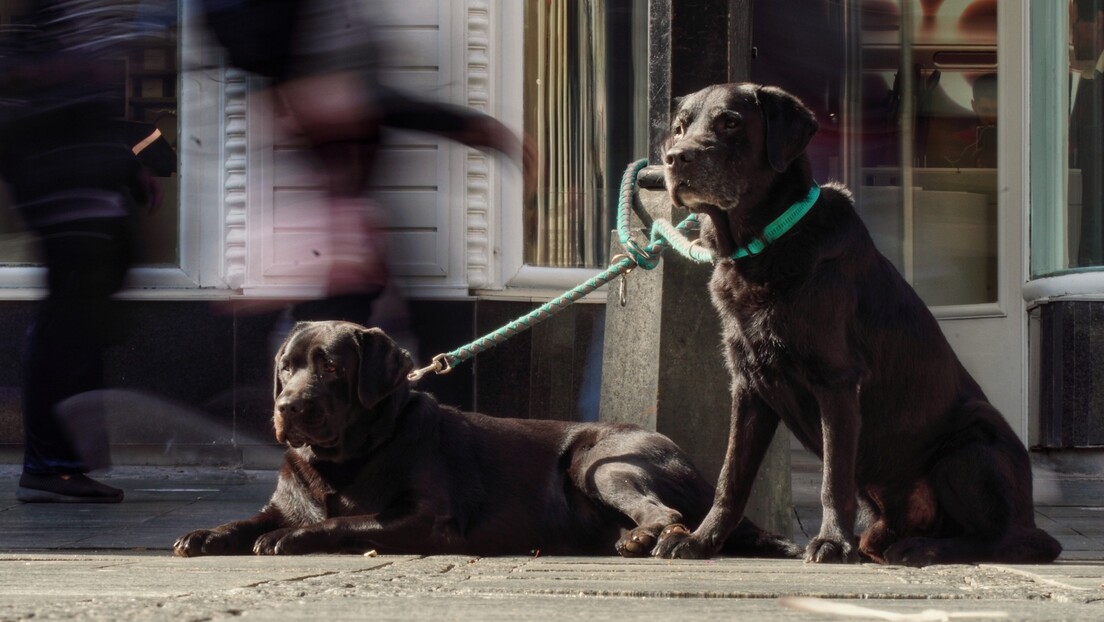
[662, 367]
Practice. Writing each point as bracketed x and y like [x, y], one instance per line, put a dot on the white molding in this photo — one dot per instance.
[551, 279]
[509, 216]
[477, 231]
[1074, 286]
[200, 150]
[1015, 183]
[1014, 91]
[966, 312]
[235, 144]
[478, 82]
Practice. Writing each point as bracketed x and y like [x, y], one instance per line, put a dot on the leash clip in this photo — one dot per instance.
[440, 366]
[623, 286]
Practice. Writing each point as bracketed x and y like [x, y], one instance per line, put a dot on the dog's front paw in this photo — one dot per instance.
[287, 541]
[638, 543]
[822, 550]
[917, 552]
[677, 542]
[205, 542]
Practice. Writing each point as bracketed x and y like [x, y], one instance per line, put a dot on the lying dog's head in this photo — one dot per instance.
[329, 378]
[729, 141]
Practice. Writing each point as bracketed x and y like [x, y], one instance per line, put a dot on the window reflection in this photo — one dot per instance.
[908, 119]
[1086, 134]
[145, 73]
[584, 93]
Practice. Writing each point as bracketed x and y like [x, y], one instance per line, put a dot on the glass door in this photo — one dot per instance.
[914, 97]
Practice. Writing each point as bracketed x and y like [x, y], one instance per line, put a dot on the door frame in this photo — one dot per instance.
[991, 339]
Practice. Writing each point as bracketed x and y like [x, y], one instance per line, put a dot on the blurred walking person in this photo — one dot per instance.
[321, 58]
[78, 175]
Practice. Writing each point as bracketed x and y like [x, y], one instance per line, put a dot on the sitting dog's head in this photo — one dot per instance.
[728, 142]
[329, 378]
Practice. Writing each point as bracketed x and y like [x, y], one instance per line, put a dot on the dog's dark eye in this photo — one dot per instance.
[329, 367]
[732, 123]
[677, 130]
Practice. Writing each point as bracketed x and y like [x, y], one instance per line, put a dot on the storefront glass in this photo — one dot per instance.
[585, 105]
[143, 67]
[1085, 164]
[906, 95]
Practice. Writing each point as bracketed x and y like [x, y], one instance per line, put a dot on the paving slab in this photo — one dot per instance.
[113, 562]
[136, 586]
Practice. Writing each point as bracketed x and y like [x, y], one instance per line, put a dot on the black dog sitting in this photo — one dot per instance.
[823, 334]
[373, 464]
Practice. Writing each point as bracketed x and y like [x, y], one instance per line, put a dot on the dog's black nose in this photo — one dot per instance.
[290, 406]
[678, 155]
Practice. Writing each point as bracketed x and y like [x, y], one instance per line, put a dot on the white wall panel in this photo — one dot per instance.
[411, 183]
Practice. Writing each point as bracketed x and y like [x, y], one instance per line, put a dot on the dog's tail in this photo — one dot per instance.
[749, 540]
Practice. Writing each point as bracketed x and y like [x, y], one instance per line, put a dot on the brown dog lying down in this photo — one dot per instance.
[822, 333]
[373, 464]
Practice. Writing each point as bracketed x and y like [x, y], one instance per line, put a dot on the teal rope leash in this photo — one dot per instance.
[443, 363]
[647, 257]
[663, 235]
[642, 257]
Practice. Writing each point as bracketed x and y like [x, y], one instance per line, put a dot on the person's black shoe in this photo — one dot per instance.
[72, 488]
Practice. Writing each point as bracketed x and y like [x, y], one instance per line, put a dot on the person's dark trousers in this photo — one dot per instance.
[86, 261]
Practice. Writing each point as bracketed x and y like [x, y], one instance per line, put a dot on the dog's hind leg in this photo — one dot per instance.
[648, 496]
[982, 491]
[634, 488]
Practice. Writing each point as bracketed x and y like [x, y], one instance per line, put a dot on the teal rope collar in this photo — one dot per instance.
[779, 226]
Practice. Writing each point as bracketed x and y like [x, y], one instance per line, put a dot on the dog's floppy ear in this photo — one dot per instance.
[277, 386]
[789, 126]
[383, 366]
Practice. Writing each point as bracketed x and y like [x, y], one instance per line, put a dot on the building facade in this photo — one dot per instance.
[964, 168]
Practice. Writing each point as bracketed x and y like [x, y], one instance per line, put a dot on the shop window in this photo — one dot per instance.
[1067, 134]
[1085, 214]
[144, 66]
[584, 98]
[905, 92]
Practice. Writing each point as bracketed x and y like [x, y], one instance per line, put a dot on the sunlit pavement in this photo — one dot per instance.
[113, 562]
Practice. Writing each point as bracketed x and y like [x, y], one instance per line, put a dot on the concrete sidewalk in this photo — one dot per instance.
[132, 586]
[113, 562]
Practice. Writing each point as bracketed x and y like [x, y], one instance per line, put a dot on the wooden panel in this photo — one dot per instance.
[407, 179]
[299, 209]
[408, 166]
[305, 209]
[402, 209]
[407, 13]
[425, 83]
[297, 255]
[417, 48]
[294, 167]
[417, 253]
[409, 209]
[414, 166]
[412, 253]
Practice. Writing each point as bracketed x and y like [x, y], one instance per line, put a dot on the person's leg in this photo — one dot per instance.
[86, 262]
